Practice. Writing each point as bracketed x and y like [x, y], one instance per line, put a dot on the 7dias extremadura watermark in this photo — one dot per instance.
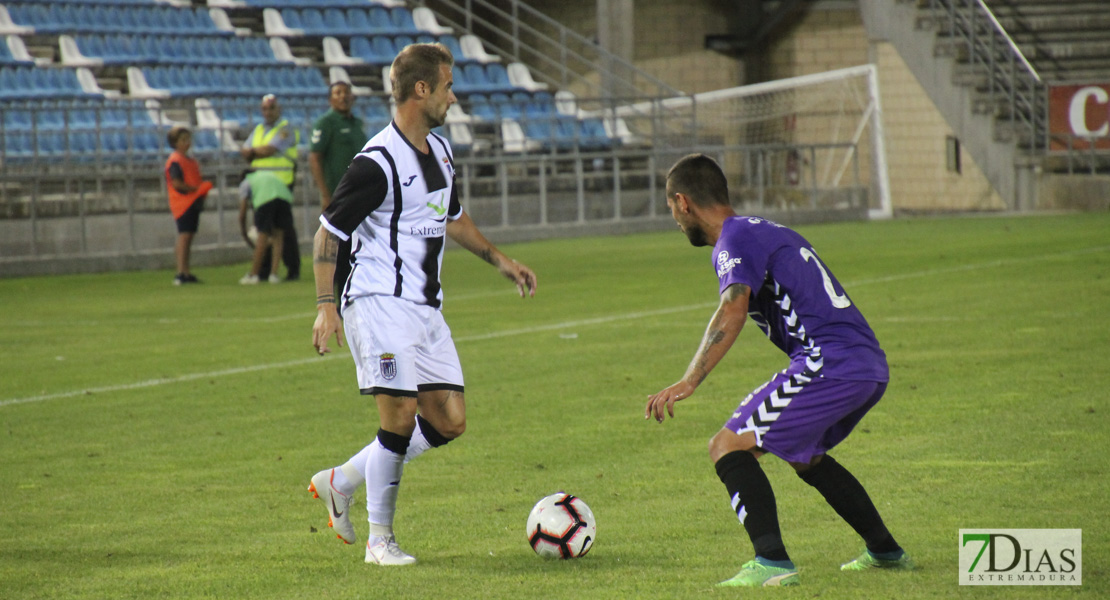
[1021, 557]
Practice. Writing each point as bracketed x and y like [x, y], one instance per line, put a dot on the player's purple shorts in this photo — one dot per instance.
[797, 418]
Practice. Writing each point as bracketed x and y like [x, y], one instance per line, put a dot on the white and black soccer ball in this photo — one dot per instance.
[561, 526]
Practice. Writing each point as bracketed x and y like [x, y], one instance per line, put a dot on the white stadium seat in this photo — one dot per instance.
[473, 49]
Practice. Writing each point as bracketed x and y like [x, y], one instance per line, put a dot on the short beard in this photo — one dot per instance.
[433, 121]
[697, 237]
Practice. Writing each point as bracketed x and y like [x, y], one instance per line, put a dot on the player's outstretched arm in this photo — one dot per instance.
[325, 249]
[719, 336]
[466, 234]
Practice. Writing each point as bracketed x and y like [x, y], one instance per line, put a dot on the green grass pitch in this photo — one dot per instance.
[156, 442]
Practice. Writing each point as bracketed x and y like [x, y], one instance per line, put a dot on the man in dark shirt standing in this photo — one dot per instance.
[337, 137]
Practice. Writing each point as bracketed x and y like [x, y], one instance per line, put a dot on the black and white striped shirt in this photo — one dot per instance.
[394, 204]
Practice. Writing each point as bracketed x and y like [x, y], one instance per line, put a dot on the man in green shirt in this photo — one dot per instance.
[273, 215]
[336, 138]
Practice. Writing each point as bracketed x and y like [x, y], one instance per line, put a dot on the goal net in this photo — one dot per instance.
[814, 141]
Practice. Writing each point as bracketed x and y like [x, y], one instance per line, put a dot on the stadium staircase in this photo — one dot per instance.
[987, 66]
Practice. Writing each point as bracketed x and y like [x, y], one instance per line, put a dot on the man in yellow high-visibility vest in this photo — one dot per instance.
[272, 146]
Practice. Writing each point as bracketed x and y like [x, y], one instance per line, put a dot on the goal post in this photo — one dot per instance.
[815, 140]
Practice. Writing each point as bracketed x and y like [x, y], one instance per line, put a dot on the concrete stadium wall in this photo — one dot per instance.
[670, 44]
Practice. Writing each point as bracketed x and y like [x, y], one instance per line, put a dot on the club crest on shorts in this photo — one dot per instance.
[388, 365]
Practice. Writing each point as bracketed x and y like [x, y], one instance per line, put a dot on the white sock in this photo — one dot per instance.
[417, 445]
[383, 480]
[354, 472]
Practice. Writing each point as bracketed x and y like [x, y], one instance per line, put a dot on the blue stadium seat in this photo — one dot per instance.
[292, 18]
[400, 41]
[498, 77]
[543, 132]
[258, 50]
[540, 105]
[49, 120]
[380, 23]
[359, 22]
[375, 114]
[461, 84]
[83, 144]
[452, 44]
[481, 108]
[401, 20]
[17, 146]
[312, 22]
[335, 22]
[16, 119]
[505, 107]
[476, 79]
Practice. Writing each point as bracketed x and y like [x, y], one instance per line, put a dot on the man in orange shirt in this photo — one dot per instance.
[187, 192]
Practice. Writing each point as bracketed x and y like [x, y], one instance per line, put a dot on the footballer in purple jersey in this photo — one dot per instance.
[837, 372]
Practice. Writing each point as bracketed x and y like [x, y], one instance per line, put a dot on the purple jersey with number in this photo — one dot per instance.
[797, 302]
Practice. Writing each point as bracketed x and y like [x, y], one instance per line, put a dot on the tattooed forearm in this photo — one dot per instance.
[721, 333]
[701, 364]
[486, 254]
[326, 248]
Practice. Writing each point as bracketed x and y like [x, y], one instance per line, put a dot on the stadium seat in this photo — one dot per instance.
[335, 22]
[455, 114]
[275, 25]
[504, 106]
[378, 50]
[335, 56]
[402, 22]
[592, 134]
[499, 77]
[208, 118]
[11, 27]
[386, 83]
[425, 20]
[513, 140]
[521, 77]
[400, 41]
[14, 52]
[311, 20]
[473, 49]
[378, 20]
[359, 22]
[278, 52]
[88, 84]
[16, 119]
[223, 24]
[460, 136]
[481, 109]
[336, 74]
[138, 87]
[375, 112]
[452, 44]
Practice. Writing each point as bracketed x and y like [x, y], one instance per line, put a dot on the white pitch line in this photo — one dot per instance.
[528, 330]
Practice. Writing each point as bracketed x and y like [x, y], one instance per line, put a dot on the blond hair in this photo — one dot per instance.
[415, 63]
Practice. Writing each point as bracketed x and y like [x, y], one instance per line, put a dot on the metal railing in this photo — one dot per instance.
[561, 56]
[1013, 85]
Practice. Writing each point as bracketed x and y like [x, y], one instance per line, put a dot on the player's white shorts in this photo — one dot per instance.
[400, 348]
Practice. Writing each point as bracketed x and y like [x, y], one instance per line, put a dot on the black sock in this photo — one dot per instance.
[754, 502]
[435, 438]
[394, 442]
[846, 496]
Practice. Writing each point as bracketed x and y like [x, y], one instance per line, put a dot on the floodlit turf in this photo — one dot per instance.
[156, 442]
